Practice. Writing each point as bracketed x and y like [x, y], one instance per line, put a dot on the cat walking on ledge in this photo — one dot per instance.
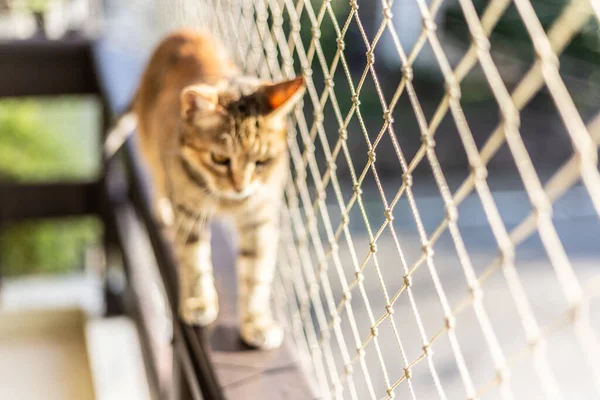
[215, 143]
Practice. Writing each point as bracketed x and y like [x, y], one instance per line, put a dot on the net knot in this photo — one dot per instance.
[343, 134]
[334, 245]
[345, 218]
[427, 250]
[450, 322]
[388, 215]
[347, 295]
[429, 24]
[355, 100]
[546, 55]
[575, 311]
[511, 119]
[354, 5]
[341, 45]
[320, 196]
[503, 374]
[332, 165]
[428, 141]
[453, 89]
[543, 209]
[451, 213]
[335, 319]
[301, 241]
[318, 116]
[323, 267]
[387, 117]
[479, 172]
[360, 351]
[476, 292]
[373, 247]
[370, 58]
[329, 83]
[359, 276]
[389, 309]
[390, 393]
[407, 72]
[481, 42]
[387, 13]
[427, 349]
[408, 372]
[356, 188]
[407, 179]
[374, 331]
[316, 32]
[507, 253]
[535, 343]
[349, 369]
[407, 280]
[371, 156]
[338, 389]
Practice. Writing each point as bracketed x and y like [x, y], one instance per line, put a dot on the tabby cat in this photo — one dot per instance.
[215, 142]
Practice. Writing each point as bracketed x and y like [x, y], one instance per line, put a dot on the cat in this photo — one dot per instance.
[215, 143]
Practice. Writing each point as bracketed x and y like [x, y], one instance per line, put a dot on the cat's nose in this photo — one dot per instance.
[238, 186]
[240, 182]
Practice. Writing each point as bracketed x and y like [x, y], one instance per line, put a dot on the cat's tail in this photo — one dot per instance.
[121, 130]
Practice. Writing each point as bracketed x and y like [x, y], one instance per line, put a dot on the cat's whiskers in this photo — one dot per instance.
[179, 224]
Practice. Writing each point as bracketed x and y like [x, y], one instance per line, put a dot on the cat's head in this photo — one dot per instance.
[233, 134]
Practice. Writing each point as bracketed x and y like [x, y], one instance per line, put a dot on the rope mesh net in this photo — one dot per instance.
[352, 280]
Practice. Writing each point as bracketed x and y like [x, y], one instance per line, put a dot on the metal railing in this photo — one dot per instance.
[331, 272]
[192, 375]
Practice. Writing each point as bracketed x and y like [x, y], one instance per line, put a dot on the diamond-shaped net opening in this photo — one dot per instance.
[438, 241]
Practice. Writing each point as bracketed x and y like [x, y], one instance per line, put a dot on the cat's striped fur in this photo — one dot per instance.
[215, 142]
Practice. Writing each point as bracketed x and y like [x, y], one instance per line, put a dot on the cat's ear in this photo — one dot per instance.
[198, 98]
[279, 98]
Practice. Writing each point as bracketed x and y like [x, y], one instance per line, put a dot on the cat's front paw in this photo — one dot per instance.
[198, 311]
[262, 333]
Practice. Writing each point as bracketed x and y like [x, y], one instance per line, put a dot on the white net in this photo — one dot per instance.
[402, 274]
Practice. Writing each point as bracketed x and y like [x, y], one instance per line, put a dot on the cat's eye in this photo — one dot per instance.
[219, 159]
[264, 161]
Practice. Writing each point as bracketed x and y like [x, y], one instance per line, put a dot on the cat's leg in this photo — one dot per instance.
[256, 267]
[198, 301]
[162, 210]
[162, 207]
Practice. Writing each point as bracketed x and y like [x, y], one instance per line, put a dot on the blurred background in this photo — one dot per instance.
[50, 139]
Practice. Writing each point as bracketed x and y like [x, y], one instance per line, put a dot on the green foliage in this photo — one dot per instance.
[42, 247]
[28, 148]
[35, 145]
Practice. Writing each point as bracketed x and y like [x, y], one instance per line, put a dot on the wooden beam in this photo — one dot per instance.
[48, 200]
[40, 67]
